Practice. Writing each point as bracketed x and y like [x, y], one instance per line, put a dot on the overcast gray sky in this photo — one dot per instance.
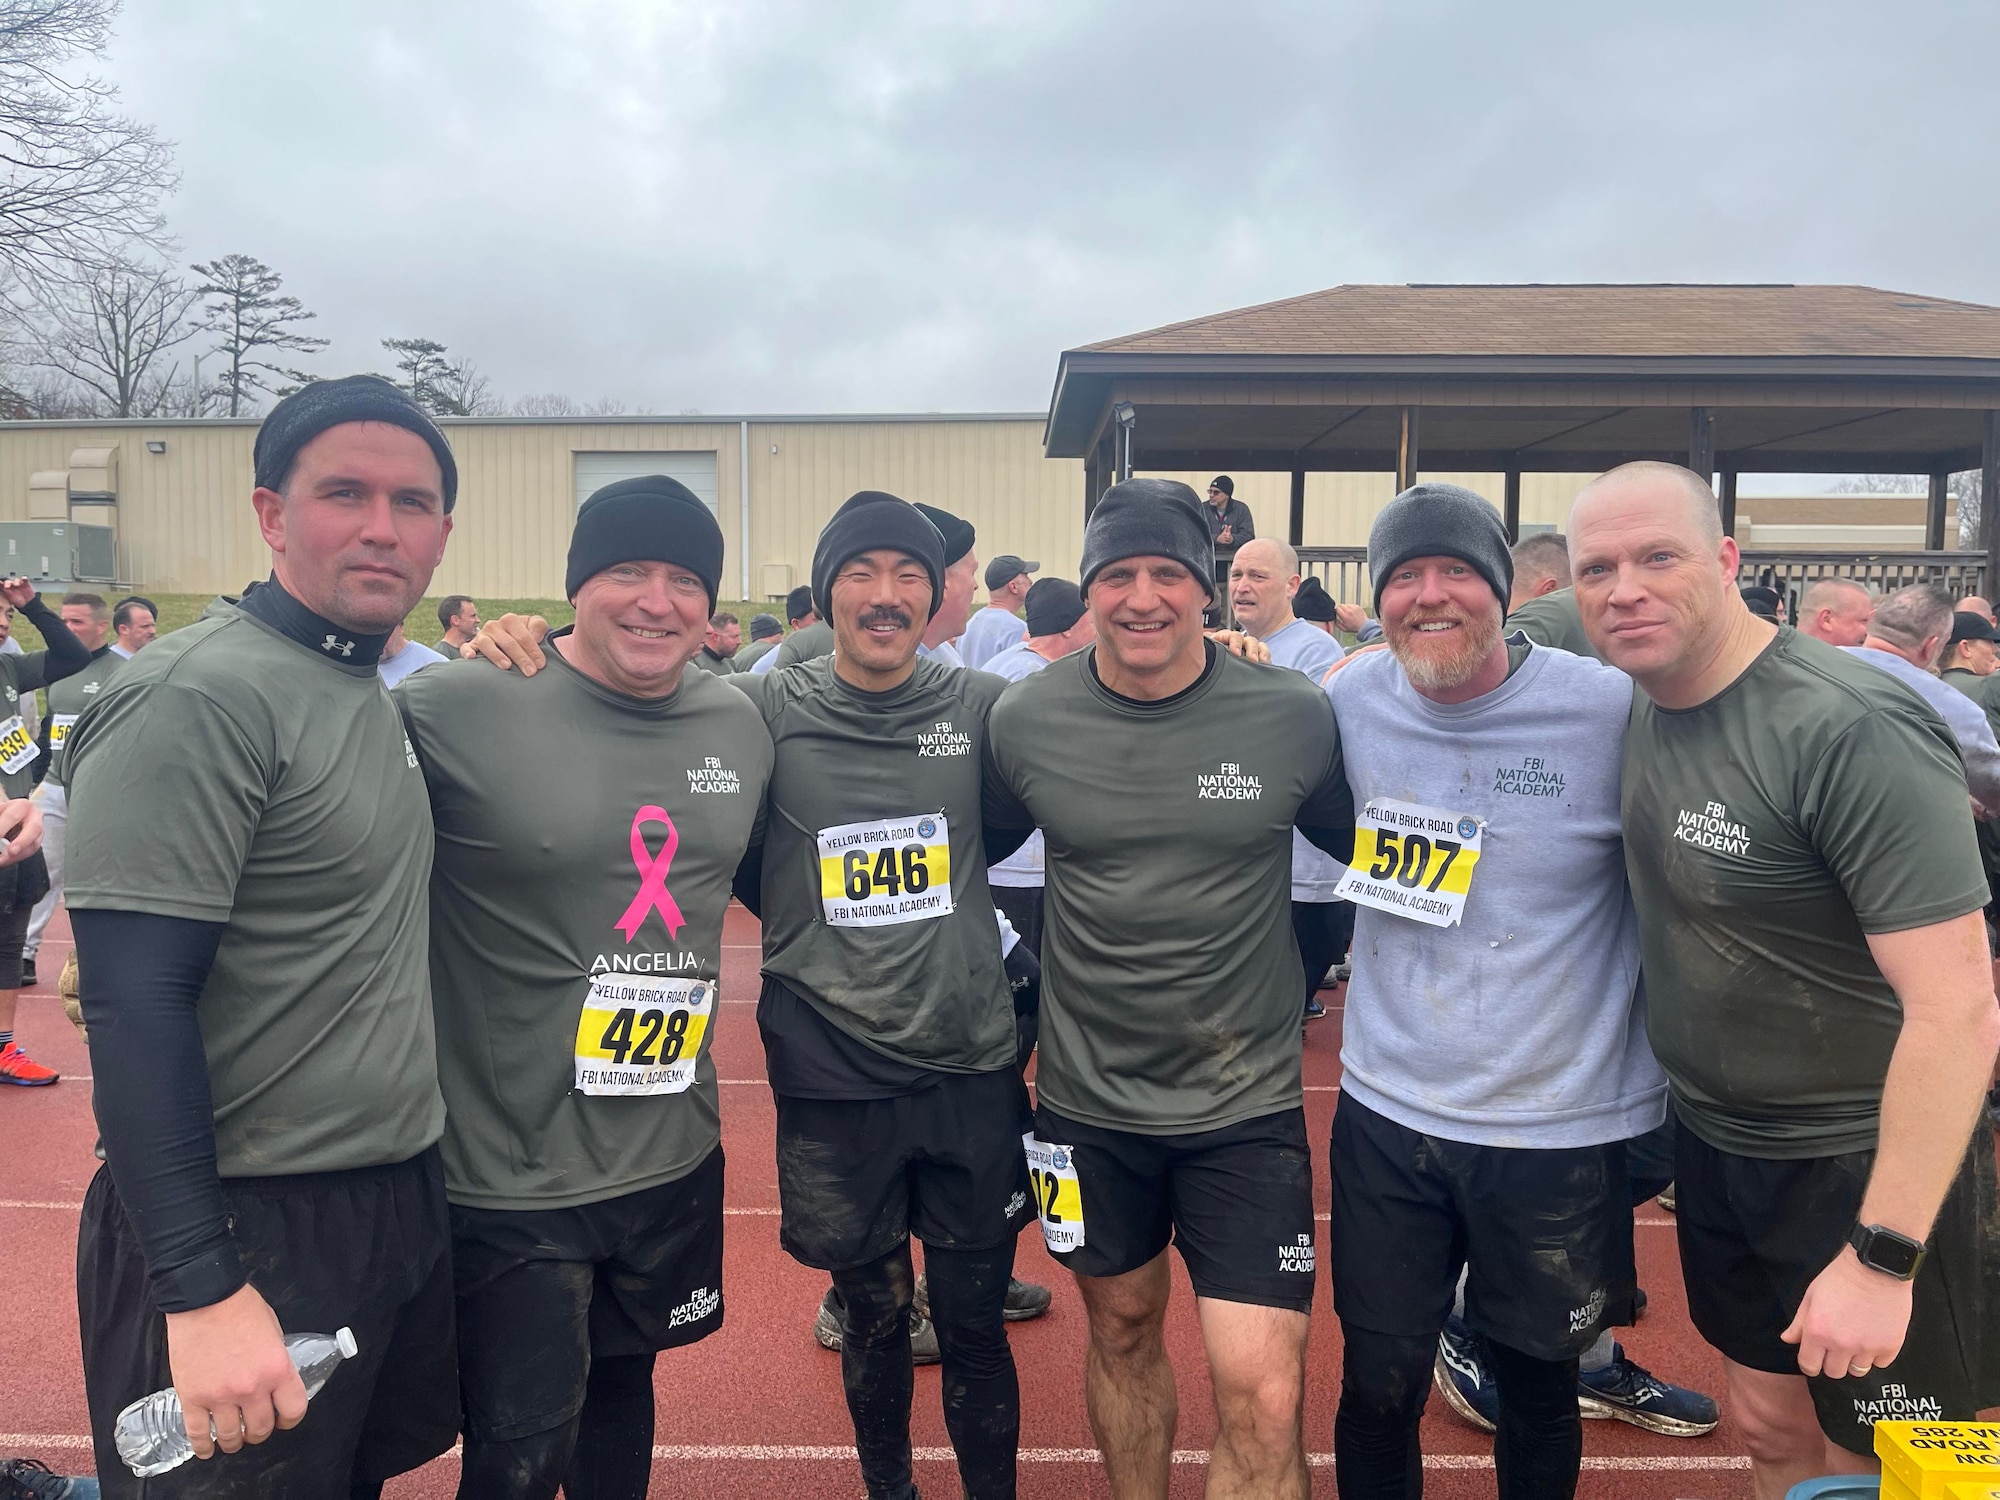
[770, 206]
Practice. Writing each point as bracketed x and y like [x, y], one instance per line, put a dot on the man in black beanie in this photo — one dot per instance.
[961, 576]
[575, 996]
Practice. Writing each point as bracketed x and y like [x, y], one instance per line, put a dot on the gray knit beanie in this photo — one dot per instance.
[1149, 518]
[1441, 520]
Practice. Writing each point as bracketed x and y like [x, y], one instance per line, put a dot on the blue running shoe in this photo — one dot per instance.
[30, 1479]
[1462, 1378]
[1630, 1393]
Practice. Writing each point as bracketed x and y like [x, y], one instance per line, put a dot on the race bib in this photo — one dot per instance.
[59, 729]
[641, 1034]
[1058, 1195]
[877, 874]
[1412, 861]
[16, 748]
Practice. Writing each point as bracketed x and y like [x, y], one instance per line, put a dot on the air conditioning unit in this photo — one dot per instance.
[777, 580]
[59, 552]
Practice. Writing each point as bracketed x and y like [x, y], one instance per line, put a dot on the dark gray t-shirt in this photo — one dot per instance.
[876, 909]
[585, 844]
[1170, 976]
[1553, 620]
[1813, 801]
[69, 698]
[230, 775]
[809, 644]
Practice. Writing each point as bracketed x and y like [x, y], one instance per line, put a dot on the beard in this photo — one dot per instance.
[1446, 660]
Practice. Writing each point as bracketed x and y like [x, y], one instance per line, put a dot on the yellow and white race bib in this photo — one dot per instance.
[59, 729]
[1058, 1195]
[877, 874]
[16, 748]
[1413, 861]
[641, 1034]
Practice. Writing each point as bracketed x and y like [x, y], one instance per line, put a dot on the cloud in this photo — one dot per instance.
[893, 205]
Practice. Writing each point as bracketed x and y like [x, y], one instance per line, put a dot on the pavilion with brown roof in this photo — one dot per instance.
[1549, 378]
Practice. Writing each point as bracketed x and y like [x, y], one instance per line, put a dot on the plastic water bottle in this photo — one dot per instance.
[152, 1435]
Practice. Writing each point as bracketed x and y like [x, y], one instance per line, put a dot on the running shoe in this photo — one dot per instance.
[1025, 1299]
[27, 969]
[1314, 1010]
[30, 1479]
[923, 1337]
[17, 1067]
[1666, 1199]
[1462, 1378]
[1343, 971]
[1630, 1393]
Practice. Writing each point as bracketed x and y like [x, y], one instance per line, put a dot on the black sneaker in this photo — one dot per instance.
[1025, 1299]
[1314, 1010]
[923, 1337]
[1630, 1393]
[27, 970]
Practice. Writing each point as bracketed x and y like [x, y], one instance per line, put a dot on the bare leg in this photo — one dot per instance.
[1128, 1384]
[1782, 1432]
[1257, 1359]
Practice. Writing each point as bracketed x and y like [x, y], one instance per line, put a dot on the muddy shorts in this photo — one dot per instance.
[543, 1291]
[1545, 1236]
[1755, 1232]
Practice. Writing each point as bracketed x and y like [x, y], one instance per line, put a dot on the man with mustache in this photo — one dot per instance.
[1494, 1059]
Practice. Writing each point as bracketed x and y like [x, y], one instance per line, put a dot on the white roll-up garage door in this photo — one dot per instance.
[694, 468]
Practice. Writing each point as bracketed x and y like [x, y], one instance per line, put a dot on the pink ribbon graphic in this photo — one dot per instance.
[653, 892]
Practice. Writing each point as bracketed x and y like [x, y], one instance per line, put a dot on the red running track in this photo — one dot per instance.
[757, 1409]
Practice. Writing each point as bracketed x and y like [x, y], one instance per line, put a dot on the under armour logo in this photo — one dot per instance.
[335, 643]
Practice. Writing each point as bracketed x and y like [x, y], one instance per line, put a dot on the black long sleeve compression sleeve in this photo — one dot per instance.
[141, 976]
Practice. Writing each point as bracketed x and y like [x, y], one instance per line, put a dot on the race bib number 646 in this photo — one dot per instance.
[1413, 861]
[893, 870]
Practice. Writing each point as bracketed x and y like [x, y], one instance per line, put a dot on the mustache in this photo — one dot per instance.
[885, 614]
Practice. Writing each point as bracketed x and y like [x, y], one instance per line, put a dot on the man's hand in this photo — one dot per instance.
[510, 641]
[1350, 617]
[1222, 537]
[20, 828]
[17, 591]
[230, 1367]
[1851, 1321]
[1236, 643]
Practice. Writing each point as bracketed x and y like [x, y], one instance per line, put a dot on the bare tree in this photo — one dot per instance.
[251, 321]
[554, 404]
[110, 333]
[441, 386]
[78, 181]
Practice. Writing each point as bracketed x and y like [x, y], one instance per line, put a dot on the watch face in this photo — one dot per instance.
[1890, 1252]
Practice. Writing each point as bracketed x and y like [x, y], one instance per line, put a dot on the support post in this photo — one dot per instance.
[1726, 502]
[1511, 509]
[1406, 451]
[1934, 513]
[1989, 501]
[1298, 516]
[1701, 442]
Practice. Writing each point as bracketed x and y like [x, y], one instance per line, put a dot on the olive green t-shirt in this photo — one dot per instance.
[876, 909]
[1171, 984]
[19, 677]
[1553, 620]
[69, 698]
[227, 774]
[754, 651]
[715, 666]
[585, 844]
[815, 641]
[1813, 801]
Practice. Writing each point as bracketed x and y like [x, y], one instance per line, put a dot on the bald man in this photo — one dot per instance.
[1801, 856]
[1837, 611]
[1978, 606]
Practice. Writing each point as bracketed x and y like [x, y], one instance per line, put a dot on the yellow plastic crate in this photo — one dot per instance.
[1927, 1460]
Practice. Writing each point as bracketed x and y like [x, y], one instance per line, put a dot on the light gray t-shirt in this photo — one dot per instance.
[1304, 647]
[1026, 867]
[1524, 1025]
[1965, 719]
[989, 632]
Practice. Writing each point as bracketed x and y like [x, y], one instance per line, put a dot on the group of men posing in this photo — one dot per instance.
[400, 1006]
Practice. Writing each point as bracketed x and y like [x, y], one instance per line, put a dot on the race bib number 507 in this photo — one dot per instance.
[1413, 861]
[894, 870]
[641, 1034]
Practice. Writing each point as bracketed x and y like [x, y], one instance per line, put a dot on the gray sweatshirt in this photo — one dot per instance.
[1525, 1024]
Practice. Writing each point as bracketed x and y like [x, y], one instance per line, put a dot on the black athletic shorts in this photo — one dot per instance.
[367, 1250]
[542, 1292]
[1545, 1236]
[858, 1177]
[1755, 1232]
[1236, 1202]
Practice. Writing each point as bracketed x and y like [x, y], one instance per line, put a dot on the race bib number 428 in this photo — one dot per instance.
[1413, 861]
[641, 1034]
[894, 870]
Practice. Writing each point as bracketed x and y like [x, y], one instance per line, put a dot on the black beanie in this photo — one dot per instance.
[1313, 602]
[313, 408]
[957, 533]
[870, 520]
[1052, 606]
[1149, 518]
[1441, 520]
[648, 519]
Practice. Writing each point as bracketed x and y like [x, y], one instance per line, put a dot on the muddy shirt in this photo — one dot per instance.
[585, 843]
[1170, 976]
[1767, 831]
[229, 774]
[815, 641]
[1553, 620]
[70, 697]
[876, 909]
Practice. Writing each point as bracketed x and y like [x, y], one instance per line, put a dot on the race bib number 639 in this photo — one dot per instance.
[16, 748]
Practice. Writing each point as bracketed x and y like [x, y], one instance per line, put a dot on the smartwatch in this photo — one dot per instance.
[1886, 1251]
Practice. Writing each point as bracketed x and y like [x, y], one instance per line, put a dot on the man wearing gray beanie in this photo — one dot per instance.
[1488, 876]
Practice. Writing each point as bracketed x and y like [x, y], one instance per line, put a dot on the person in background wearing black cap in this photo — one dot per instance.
[811, 636]
[1058, 625]
[1765, 603]
[1970, 651]
[961, 576]
[250, 925]
[765, 633]
[1313, 604]
[576, 997]
[999, 625]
